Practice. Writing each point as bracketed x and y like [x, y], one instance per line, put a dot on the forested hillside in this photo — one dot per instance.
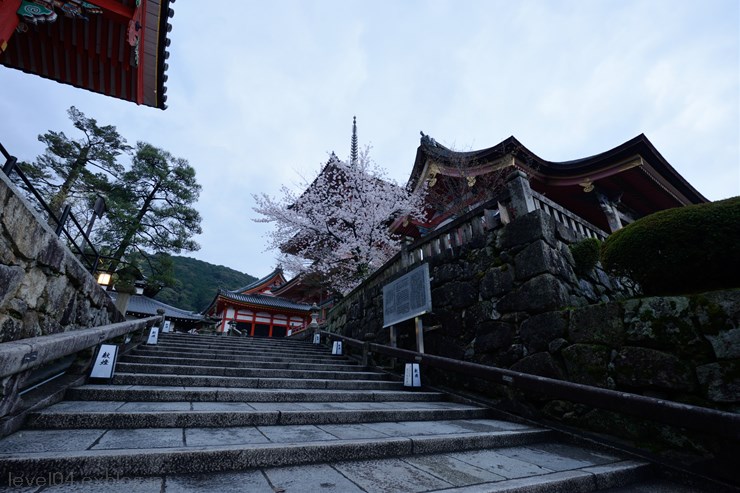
[197, 283]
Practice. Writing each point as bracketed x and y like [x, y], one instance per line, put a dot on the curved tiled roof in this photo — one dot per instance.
[143, 305]
[552, 170]
[258, 282]
[258, 299]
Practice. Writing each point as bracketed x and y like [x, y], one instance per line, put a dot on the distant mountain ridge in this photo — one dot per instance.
[197, 283]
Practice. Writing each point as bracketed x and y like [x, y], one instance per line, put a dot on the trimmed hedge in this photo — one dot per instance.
[585, 254]
[682, 250]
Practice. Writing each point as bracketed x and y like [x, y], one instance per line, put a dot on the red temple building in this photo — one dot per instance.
[609, 190]
[112, 47]
[268, 307]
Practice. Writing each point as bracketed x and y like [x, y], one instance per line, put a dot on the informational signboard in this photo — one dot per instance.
[317, 338]
[166, 327]
[407, 297]
[105, 362]
[153, 335]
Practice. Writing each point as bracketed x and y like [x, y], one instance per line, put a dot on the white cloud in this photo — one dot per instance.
[260, 95]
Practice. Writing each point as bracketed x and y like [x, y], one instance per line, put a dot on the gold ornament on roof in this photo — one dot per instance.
[588, 185]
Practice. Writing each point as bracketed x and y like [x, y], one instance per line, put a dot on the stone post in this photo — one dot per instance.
[122, 299]
[520, 194]
[160, 312]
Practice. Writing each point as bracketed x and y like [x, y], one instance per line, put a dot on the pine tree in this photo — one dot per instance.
[73, 170]
[151, 207]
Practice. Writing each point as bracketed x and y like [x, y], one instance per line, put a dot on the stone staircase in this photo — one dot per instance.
[276, 415]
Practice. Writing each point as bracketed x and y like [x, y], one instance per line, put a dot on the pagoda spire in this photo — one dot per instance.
[353, 151]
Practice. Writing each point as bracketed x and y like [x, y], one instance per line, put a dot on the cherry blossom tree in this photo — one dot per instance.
[337, 228]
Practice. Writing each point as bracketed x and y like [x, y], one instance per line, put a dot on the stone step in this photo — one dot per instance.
[257, 356]
[116, 414]
[352, 458]
[238, 411]
[243, 343]
[280, 353]
[210, 394]
[247, 382]
[237, 340]
[178, 449]
[243, 363]
[247, 372]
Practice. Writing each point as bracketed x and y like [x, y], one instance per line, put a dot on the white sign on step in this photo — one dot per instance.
[317, 338]
[336, 348]
[412, 375]
[153, 335]
[105, 362]
[166, 327]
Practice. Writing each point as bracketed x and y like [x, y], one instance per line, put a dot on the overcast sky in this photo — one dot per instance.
[260, 93]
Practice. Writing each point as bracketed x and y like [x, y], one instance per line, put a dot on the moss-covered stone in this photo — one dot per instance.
[597, 324]
[587, 363]
[542, 364]
[538, 331]
[496, 282]
[637, 367]
[720, 381]
[540, 294]
[493, 335]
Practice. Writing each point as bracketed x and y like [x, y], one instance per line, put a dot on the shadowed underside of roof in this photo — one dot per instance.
[111, 47]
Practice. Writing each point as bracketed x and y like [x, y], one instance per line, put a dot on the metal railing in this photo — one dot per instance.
[86, 251]
[718, 423]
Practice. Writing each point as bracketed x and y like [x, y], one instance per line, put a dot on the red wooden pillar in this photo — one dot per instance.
[8, 21]
[272, 319]
[251, 331]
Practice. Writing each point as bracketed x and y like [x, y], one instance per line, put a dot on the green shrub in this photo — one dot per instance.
[682, 250]
[586, 254]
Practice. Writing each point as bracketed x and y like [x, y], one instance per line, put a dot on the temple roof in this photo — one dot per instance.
[636, 152]
[258, 300]
[274, 278]
[112, 47]
[143, 305]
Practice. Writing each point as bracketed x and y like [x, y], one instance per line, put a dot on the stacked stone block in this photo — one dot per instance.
[44, 289]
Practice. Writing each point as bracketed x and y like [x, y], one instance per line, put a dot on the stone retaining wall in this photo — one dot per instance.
[482, 292]
[44, 289]
[512, 299]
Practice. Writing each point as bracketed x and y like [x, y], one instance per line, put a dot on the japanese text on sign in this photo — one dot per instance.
[407, 297]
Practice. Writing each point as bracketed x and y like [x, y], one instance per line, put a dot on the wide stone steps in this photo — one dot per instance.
[106, 414]
[208, 394]
[256, 357]
[234, 363]
[248, 382]
[179, 418]
[247, 344]
[314, 354]
[247, 372]
[457, 451]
